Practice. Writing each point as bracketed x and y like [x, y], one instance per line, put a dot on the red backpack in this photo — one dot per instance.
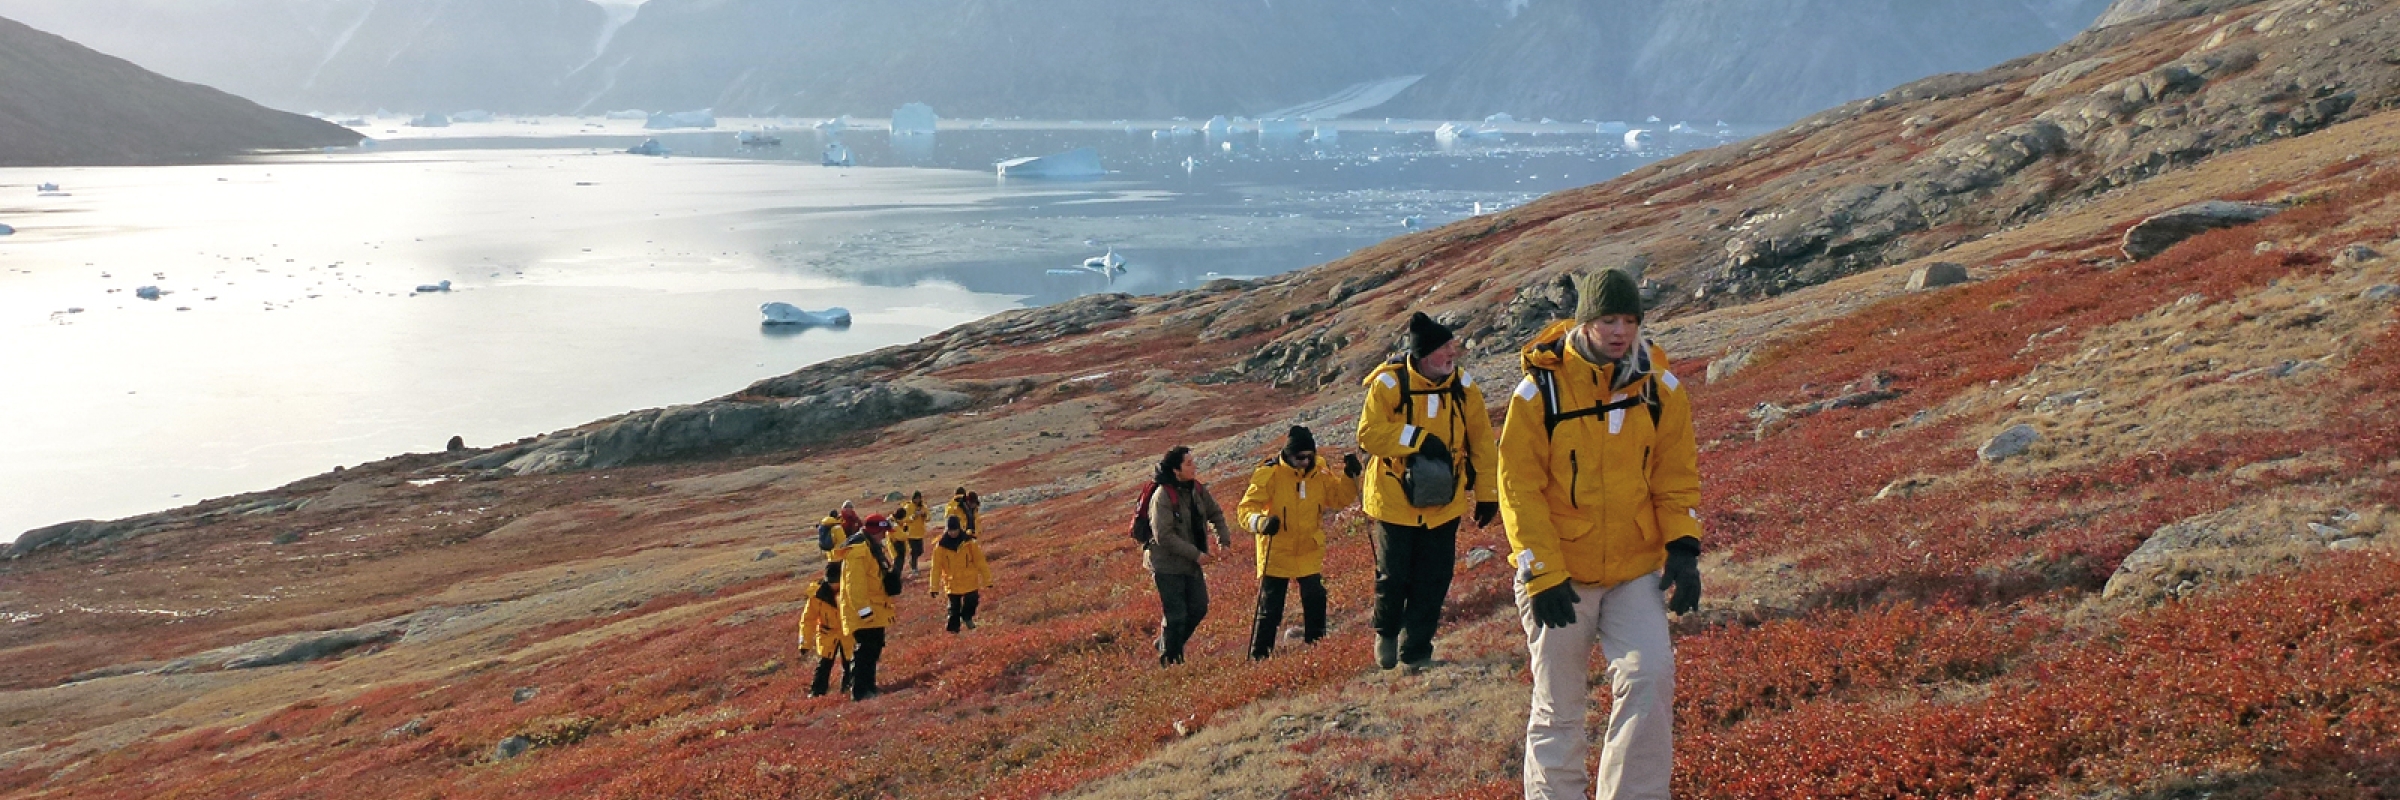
[1141, 513]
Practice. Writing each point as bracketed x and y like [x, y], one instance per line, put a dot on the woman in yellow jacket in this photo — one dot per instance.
[959, 571]
[911, 535]
[1431, 437]
[869, 581]
[821, 633]
[1285, 507]
[1599, 484]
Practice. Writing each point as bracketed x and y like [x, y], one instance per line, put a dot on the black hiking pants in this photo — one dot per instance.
[916, 547]
[824, 679]
[862, 671]
[962, 609]
[1412, 579]
[1183, 602]
[1269, 623]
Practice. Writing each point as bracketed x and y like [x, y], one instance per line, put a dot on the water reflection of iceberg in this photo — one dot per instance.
[786, 314]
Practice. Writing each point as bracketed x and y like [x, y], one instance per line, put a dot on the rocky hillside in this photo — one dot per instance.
[1743, 60]
[61, 103]
[971, 58]
[2094, 521]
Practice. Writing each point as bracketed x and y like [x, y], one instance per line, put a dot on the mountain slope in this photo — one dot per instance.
[1746, 60]
[61, 103]
[2184, 586]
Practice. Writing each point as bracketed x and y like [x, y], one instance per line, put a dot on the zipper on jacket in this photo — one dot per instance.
[1574, 476]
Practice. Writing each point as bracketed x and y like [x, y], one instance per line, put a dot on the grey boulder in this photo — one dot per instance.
[2153, 236]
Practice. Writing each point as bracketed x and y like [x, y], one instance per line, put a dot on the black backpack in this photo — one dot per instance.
[1141, 514]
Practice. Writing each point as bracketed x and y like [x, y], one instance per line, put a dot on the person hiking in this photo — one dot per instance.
[821, 632]
[1599, 486]
[850, 520]
[960, 572]
[911, 517]
[959, 508]
[1180, 510]
[1284, 508]
[869, 582]
[1425, 424]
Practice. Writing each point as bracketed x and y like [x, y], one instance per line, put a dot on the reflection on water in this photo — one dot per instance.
[286, 337]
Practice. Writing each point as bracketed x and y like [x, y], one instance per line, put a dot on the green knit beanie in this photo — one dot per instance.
[1609, 292]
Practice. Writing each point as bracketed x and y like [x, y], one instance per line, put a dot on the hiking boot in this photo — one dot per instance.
[1387, 651]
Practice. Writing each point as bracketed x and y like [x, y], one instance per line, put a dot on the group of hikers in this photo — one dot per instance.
[848, 610]
[1593, 475]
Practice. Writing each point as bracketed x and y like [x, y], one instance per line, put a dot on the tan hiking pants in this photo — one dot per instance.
[1637, 758]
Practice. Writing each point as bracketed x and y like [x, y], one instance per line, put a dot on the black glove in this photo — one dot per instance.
[1271, 527]
[1555, 607]
[1683, 575]
[1350, 465]
[1485, 512]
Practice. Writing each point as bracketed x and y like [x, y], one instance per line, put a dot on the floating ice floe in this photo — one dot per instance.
[1190, 163]
[430, 121]
[837, 155]
[429, 288]
[1499, 118]
[1275, 128]
[1177, 132]
[648, 147]
[1681, 128]
[147, 293]
[787, 314]
[703, 118]
[1639, 138]
[1413, 221]
[757, 139]
[46, 187]
[835, 125]
[1109, 264]
[1218, 127]
[1611, 128]
[6, 230]
[630, 113]
[1456, 132]
[1327, 134]
[1081, 162]
[915, 119]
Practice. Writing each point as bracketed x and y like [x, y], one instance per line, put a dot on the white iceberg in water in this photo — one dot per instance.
[6, 230]
[1611, 128]
[1639, 138]
[1274, 128]
[430, 121]
[1326, 133]
[703, 118]
[1455, 132]
[836, 125]
[1499, 118]
[1081, 162]
[147, 292]
[648, 147]
[430, 288]
[837, 155]
[788, 314]
[914, 119]
[1218, 127]
[472, 115]
[630, 113]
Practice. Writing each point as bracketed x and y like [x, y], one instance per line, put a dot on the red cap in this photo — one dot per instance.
[878, 522]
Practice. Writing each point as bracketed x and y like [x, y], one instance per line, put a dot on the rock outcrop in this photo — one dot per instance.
[2154, 235]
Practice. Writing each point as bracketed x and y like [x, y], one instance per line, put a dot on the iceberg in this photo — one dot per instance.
[703, 118]
[1218, 127]
[5, 230]
[630, 113]
[914, 119]
[147, 292]
[837, 155]
[1081, 162]
[1452, 132]
[1611, 128]
[648, 147]
[429, 288]
[1327, 134]
[757, 139]
[835, 125]
[1176, 132]
[1681, 128]
[779, 313]
[1639, 138]
[1499, 118]
[430, 121]
[472, 115]
[1272, 128]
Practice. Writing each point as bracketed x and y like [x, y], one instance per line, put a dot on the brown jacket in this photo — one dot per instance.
[1176, 536]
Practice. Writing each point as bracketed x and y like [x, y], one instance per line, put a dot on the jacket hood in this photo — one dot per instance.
[1548, 350]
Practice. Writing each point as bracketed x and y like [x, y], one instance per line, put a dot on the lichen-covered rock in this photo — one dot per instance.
[2154, 235]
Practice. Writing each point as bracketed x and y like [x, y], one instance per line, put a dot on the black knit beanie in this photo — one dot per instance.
[1610, 292]
[1425, 335]
[1299, 440]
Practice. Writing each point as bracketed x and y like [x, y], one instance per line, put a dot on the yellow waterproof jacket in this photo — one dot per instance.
[1391, 431]
[864, 603]
[955, 509]
[1598, 498]
[1300, 499]
[913, 528]
[821, 623]
[959, 571]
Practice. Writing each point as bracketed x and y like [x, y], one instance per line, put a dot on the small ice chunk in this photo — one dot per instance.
[444, 286]
[1081, 162]
[779, 313]
[147, 293]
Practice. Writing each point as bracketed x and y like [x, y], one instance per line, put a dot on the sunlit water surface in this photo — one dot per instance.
[585, 282]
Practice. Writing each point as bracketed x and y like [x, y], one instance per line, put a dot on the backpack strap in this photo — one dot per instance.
[1552, 415]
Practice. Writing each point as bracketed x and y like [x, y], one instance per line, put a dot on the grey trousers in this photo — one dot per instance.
[1637, 758]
